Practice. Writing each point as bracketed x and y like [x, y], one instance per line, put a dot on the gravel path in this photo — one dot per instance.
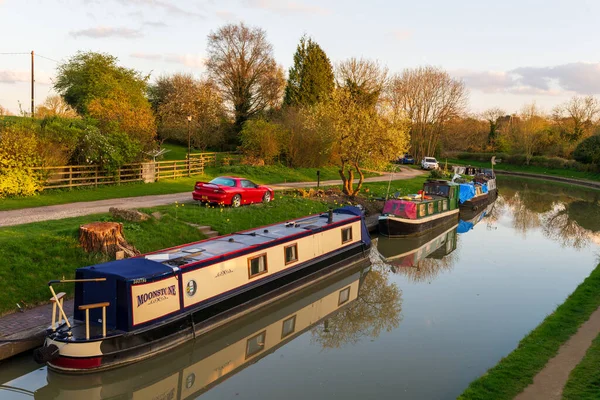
[37, 214]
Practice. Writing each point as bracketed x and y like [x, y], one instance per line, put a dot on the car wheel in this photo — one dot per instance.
[267, 197]
[236, 201]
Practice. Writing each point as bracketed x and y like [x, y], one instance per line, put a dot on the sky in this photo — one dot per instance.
[508, 52]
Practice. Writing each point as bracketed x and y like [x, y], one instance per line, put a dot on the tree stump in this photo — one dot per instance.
[105, 237]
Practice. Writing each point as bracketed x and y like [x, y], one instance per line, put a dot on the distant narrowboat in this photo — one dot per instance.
[478, 193]
[436, 205]
[132, 309]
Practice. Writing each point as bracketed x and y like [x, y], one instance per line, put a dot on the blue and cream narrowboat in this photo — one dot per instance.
[132, 309]
[435, 205]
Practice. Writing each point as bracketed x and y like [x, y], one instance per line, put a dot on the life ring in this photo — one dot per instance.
[475, 208]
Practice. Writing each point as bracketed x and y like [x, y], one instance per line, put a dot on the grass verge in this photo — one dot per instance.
[264, 175]
[516, 371]
[32, 254]
[565, 173]
[584, 380]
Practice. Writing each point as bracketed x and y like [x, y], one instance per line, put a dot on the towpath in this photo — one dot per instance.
[37, 214]
[549, 383]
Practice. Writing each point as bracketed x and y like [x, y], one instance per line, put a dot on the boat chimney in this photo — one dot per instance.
[330, 216]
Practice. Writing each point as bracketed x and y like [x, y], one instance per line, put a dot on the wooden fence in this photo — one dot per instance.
[70, 176]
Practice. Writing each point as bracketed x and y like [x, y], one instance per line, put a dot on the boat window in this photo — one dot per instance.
[437, 190]
[223, 182]
[430, 208]
[445, 205]
[344, 296]
[256, 344]
[346, 235]
[257, 265]
[439, 206]
[288, 327]
[421, 210]
[291, 253]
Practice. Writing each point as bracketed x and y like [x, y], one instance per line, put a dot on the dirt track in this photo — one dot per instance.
[37, 214]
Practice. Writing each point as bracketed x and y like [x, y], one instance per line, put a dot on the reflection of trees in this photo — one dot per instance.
[428, 268]
[587, 214]
[377, 308]
[558, 226]
[523, 218]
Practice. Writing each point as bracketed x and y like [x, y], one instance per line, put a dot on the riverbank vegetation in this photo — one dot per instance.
[35, 253]
[516, 371]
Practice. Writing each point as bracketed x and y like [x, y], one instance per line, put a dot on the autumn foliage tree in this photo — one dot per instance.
[577, 118]
[55, 106]
[241, 63]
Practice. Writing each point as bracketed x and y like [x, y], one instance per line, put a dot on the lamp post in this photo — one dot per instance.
[189, 120]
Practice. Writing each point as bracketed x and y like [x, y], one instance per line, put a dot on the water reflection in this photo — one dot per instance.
[567, 215]
[357, 302]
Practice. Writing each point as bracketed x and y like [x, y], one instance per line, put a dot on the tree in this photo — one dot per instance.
[529, 130]
[492, 115]
[178, 96]
[577, 117]
[241, 62]
[465, 133]
[55, 106]
[376, 309]
[364, 79]
[262, 140]
[588, 151]
[115, 96]
[361, 134]
[430, 97]
[310, 79]
[3, 111]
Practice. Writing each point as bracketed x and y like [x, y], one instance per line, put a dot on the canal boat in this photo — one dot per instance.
[434, 206]
[410, 252]
[470, 218]
[246, 338]
[132, 309]
[477, 193]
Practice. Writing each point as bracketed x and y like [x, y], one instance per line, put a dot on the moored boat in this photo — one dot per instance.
[132, 309]
[436, 205]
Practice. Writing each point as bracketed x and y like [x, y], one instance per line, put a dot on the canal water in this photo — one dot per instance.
[427, 317]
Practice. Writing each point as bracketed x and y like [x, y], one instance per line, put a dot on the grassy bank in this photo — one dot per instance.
[565, 173]
[264, 175]
[584, 381]
[516, 371]
[33, 254]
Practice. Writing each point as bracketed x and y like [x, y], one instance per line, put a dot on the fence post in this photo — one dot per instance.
[119, 176]
[70, 178]
[174, 169]
[96, 176]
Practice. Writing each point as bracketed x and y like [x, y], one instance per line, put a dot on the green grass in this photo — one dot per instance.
[265, 175]
[584, 380]
[565, 173]
[176, 152]
[516, 371]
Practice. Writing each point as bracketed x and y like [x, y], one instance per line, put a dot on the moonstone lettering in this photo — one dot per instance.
[156, 295]
[224, 272]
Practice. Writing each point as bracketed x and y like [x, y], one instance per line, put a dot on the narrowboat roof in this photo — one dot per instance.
[166, 261]
[441, 182]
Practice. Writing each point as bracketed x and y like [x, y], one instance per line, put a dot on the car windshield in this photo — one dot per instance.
[408, 156]
[223, 182]
[427, 159]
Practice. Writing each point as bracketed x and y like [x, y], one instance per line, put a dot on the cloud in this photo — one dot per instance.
[166, 5]
[154, 24]
[107, 31]
[287, 7]
[401, 34]
[12, 77]
[579, 77]
[189, 60]
[226, 15]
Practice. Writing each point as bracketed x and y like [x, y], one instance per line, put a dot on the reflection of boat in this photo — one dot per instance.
[470, 218]
[408, 252]
[198, 366]
[131, 309]
[418, 214]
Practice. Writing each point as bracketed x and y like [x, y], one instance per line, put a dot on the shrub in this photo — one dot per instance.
[18, 155]
[262, 139]
[588, 151]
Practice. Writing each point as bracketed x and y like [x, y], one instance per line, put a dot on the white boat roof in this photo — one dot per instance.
[183, 255]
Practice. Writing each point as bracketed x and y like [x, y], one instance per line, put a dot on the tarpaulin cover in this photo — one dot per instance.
[464, 226]
[467, 192]
[401, 208]
[484, 188]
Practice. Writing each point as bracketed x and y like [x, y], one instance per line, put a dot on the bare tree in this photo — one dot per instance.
[365, 79]
[3, 111]
[55, 106]
[430, 97]
[492, 115]
[241, 62]
[577, 117]
[181, 95]
[529, 129]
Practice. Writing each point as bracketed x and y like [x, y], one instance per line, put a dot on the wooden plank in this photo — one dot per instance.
[95, 305]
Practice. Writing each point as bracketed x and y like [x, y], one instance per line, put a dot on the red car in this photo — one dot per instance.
[232, 191]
